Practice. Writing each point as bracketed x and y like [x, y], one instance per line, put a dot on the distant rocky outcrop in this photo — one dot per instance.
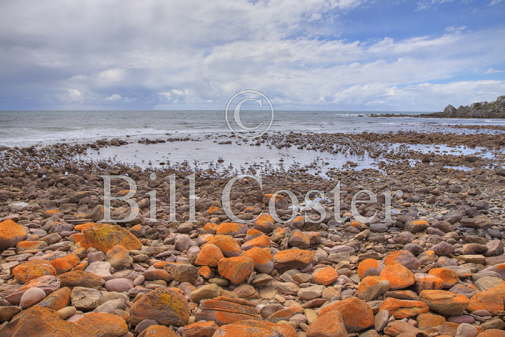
[494, 109]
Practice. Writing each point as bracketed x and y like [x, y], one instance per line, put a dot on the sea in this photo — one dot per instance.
[26, 128]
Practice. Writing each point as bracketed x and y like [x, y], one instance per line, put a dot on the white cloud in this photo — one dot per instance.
[192, 53]
[72, 96]
[114, 98]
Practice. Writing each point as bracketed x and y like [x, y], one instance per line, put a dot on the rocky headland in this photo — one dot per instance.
[495, 109]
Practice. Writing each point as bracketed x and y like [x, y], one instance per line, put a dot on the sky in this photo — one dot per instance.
[365, 55]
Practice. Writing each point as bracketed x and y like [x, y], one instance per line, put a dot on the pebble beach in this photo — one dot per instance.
[436, 269]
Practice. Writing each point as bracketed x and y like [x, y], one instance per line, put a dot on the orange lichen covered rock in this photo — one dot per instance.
[491, 300]
[226, 310]
[278, 234]
[265, 223]
[27, 245]
[330, 324]
[285, 314]
[428, 282]
[448, 276]
[262, 259]
[371, 287]
[399, 277]
[254, 328]
[104, 236]
[429, 321]
[231, 228]
[164, 305]
[200, 329]
[79, 239]
[65, 263]
[325, 276]
[53, 211]
[103, 324]
[297, 222]
[80, 278]
[369, 267]
[11, 233]
[356, 313]
[205, 272]
[236, 269]
[30, 270]
[38, 321]
[293, 259]
[119, 257]
[84, 226]
[159, 331]
[299, 239]
[261, 241]
[209, 255]
[213, 210]
[404, 308]
[253, 233]
[210, 227]
[228, 245]
[403, 257]
[445, 302]
[57, 299]
[492, 333]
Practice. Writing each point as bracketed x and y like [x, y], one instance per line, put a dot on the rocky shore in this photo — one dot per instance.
[495, 109]
[436, 269]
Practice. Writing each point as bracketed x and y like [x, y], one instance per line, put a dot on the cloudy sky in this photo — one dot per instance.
[401, 55]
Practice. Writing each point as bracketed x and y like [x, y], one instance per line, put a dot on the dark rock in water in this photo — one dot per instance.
[494, 109]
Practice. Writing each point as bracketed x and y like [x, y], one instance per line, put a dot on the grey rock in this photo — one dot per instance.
[85, 298]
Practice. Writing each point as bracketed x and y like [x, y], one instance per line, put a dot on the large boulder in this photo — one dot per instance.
[104, 236]
[42, 322]
[11, 233]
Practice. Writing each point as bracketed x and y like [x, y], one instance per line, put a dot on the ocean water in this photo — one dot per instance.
[25, 128]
